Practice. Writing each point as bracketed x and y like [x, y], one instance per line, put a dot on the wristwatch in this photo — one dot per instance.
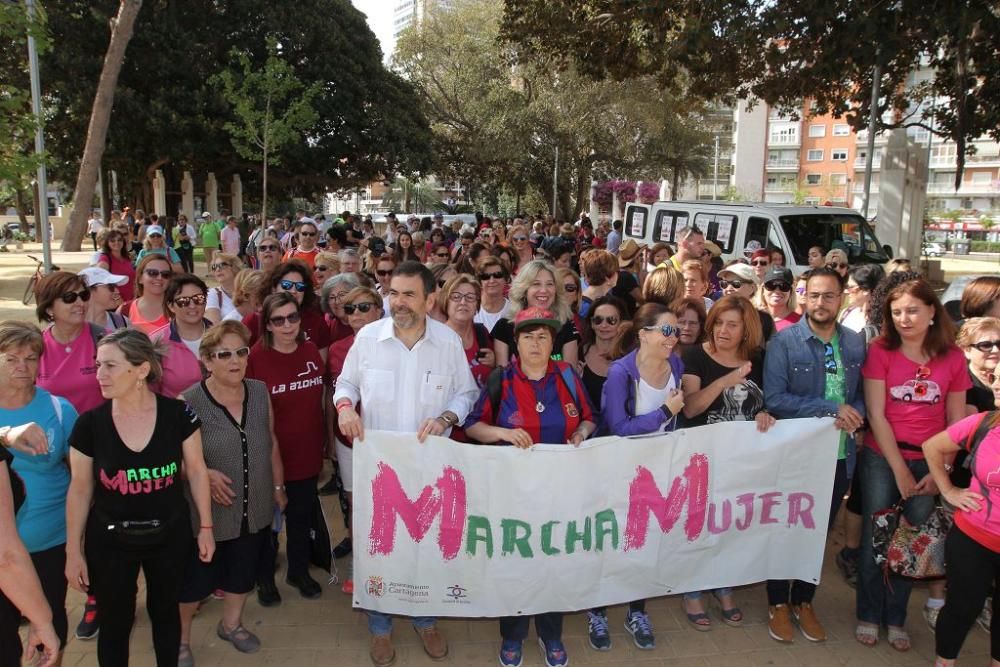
[448, 418]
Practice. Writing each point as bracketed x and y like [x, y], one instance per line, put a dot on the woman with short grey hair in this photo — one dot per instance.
[332, 302]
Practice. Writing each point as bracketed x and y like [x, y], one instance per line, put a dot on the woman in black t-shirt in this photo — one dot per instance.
[126, 458]
[20, 590]
[724, 381]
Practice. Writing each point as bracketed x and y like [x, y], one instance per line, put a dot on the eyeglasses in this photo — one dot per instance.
[155, 236]
[336, 297]
[185, 301]
[267, 248]
[458, 297]
[829, 359]
[777, 286]
[735, 284]
[223, 355]
[496, 275]
[760, 262]
[836, 265]
[825, 296]
[667, 330]
[157, 273]
[320, 267]
[570, 287]
[364, 307]
[987, 345]
[307, 233]
[442, 255]
[519, 238]
[71, 297]
[220, 265]
[800, 290]
[287, 285]
[598, 320]
[280, 320]
[387, 272]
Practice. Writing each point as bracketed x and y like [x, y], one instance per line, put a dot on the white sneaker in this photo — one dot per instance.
[931, 616]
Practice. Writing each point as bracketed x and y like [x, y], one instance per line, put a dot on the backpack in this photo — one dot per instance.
[494, 386]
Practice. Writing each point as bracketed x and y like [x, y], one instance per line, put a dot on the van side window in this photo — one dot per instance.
[668, 225]
[635, 223]
[757, 229]
[717, 227]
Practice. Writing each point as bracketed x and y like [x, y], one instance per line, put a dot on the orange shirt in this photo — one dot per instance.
[308, 257]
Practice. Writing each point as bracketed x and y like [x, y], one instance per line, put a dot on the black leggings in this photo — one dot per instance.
[302, 499]
[549, 626]
[114, 570]
[973, 571]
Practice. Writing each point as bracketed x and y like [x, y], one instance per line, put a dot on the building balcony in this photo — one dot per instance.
[784, 140]
[968, 189]
[859, 188]
[783, 165]
[859, 163]
[779, 187]
[862, 138]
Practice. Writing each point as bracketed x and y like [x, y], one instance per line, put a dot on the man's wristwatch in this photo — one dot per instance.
[449, 419]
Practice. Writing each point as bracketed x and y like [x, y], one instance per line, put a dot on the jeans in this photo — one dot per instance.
[381, 624]
[780, 591]
[548, 625]
[719, 592]
[881, 601]
[968, 586]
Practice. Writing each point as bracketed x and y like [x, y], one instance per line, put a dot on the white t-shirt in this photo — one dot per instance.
[488, 319]
[854, 319]
[650, 398]
[193, 345]
[233, 314]
[217, 298]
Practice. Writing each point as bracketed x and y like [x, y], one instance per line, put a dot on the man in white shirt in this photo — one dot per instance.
[410, 373]
[94, 225]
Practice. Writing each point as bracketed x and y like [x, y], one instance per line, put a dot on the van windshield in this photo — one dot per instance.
[852, 231]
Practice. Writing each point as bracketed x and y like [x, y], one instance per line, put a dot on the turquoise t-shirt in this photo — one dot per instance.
[834, 389]
[41, 521]
[167, 252]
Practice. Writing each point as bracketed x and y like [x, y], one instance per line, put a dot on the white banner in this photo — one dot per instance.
[451, 529]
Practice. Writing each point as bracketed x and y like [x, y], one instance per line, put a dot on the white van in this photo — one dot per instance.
[739, 228]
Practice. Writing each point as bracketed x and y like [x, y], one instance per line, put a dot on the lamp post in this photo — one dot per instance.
[42, 213]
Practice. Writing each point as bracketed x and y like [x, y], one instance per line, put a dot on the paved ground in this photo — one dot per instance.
[328, 631]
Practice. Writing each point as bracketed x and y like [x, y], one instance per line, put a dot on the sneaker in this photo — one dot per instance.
[637, 624]
[848, 567]
[986, 616]
[809, 625]
[184, 656]
[511, 654]
[89, 627]
[931, 616]
[600, 635]
[554, 653]
[779, 624]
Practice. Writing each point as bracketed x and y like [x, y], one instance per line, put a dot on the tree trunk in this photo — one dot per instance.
[100, 118]
[582, 190]
[37, 204]
[22, 210]
[675, 184]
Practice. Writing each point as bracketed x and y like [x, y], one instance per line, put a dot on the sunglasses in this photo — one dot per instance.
[289, 284]
[836, 265]
[280, 320]
[735, 284]
[349, 308]
[220, 265]
[223, 355]
[384, 273]
[570, 287]
[71, 297]
[777, 286]
[598, 320]
[496, 275]
[442, 255]
[157, 273]
[267, 248]
[155, 236]
[185, 301]
[829, 359]
[457, 297]
[519, 238]
[320, 267]
[760, 262]
[667, 330]
[307, 233]
[987, 345]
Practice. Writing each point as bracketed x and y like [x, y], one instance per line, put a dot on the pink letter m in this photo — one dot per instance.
[645, 498]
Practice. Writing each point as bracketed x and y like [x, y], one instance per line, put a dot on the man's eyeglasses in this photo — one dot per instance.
[289, 285]
[598, 320]
[987, 345]
[667, 330]
[496, 275]
[829, 359]
[824, 296]
[70, 298]
[735, 284]
[364, 307]
[223, 355]
[777, 286]
[280, 320]
[185, 301]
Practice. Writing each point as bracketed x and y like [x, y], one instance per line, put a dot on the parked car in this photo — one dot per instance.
[933, 250]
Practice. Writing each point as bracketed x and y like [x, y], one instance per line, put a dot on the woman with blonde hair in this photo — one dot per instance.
[246, 293]
[664, 285]
[537, 285]
[520, 243]
[155, 244]
[146, 312]
[836, 259]
[220, 299]
[326, 265]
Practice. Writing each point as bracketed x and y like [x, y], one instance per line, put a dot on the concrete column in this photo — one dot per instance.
[159, 193]
[187, 197]
[594, 210]
[211, 194]
[664, 190]
[237, 196]
[615, 214]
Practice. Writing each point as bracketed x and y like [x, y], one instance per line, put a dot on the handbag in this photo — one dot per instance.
[909, 550]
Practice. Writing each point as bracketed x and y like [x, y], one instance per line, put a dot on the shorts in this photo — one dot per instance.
[345, 460]
[233, 568]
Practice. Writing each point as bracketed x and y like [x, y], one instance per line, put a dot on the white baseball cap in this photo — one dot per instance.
[206, 214]
[95, 275]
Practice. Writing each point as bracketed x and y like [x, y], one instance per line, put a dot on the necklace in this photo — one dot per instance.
[539, 407]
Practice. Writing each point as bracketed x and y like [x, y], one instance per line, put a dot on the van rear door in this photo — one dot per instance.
[636, 223]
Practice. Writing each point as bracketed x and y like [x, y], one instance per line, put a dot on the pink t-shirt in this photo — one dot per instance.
[785, 322]
[181, 368]
[230, 240]
[71, 374]
[982, 526]
[915, 407]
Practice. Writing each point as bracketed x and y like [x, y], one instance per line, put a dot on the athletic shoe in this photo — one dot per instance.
[779, 623]
[554, 653]
[848, 567]
[637, 624]
[600, 635]
[931, 616]
[511, 654]
[89, 625]
[809, 624]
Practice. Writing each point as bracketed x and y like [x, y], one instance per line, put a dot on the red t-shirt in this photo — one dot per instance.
[339, 330]
[295, 382]
[982, 526]
[915, 407]
[335, 357]
[785, 322]
[313, 325]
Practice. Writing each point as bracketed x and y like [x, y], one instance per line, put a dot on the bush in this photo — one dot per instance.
[984, 246]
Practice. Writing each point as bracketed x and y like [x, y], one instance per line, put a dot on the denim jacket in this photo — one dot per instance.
[619, 395]
[795, 376]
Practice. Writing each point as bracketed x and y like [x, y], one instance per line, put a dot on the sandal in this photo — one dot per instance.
[732, 616]
[866, 634]
[899, 639]
[700, 621]
[242, 639]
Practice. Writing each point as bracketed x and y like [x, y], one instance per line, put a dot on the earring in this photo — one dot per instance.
[932, 322]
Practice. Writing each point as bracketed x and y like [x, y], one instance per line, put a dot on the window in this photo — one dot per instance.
[718, 227]
[635, 222]
[668, 224]
[817, 130]
[815, 155]
[839, 155]
[841, 130]
[980, 177]
[838, 179]
[814, 179]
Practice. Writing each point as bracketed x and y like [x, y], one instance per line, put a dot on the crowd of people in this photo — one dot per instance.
[156, 423]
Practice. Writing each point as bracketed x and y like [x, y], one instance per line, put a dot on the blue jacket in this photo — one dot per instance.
[619, 394]
[795, 375]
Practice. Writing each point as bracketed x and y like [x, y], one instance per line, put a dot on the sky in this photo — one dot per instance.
[379, 13]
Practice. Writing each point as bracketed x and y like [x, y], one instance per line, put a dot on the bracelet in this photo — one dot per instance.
[207, 527]
[343, 404]
[279, 487]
